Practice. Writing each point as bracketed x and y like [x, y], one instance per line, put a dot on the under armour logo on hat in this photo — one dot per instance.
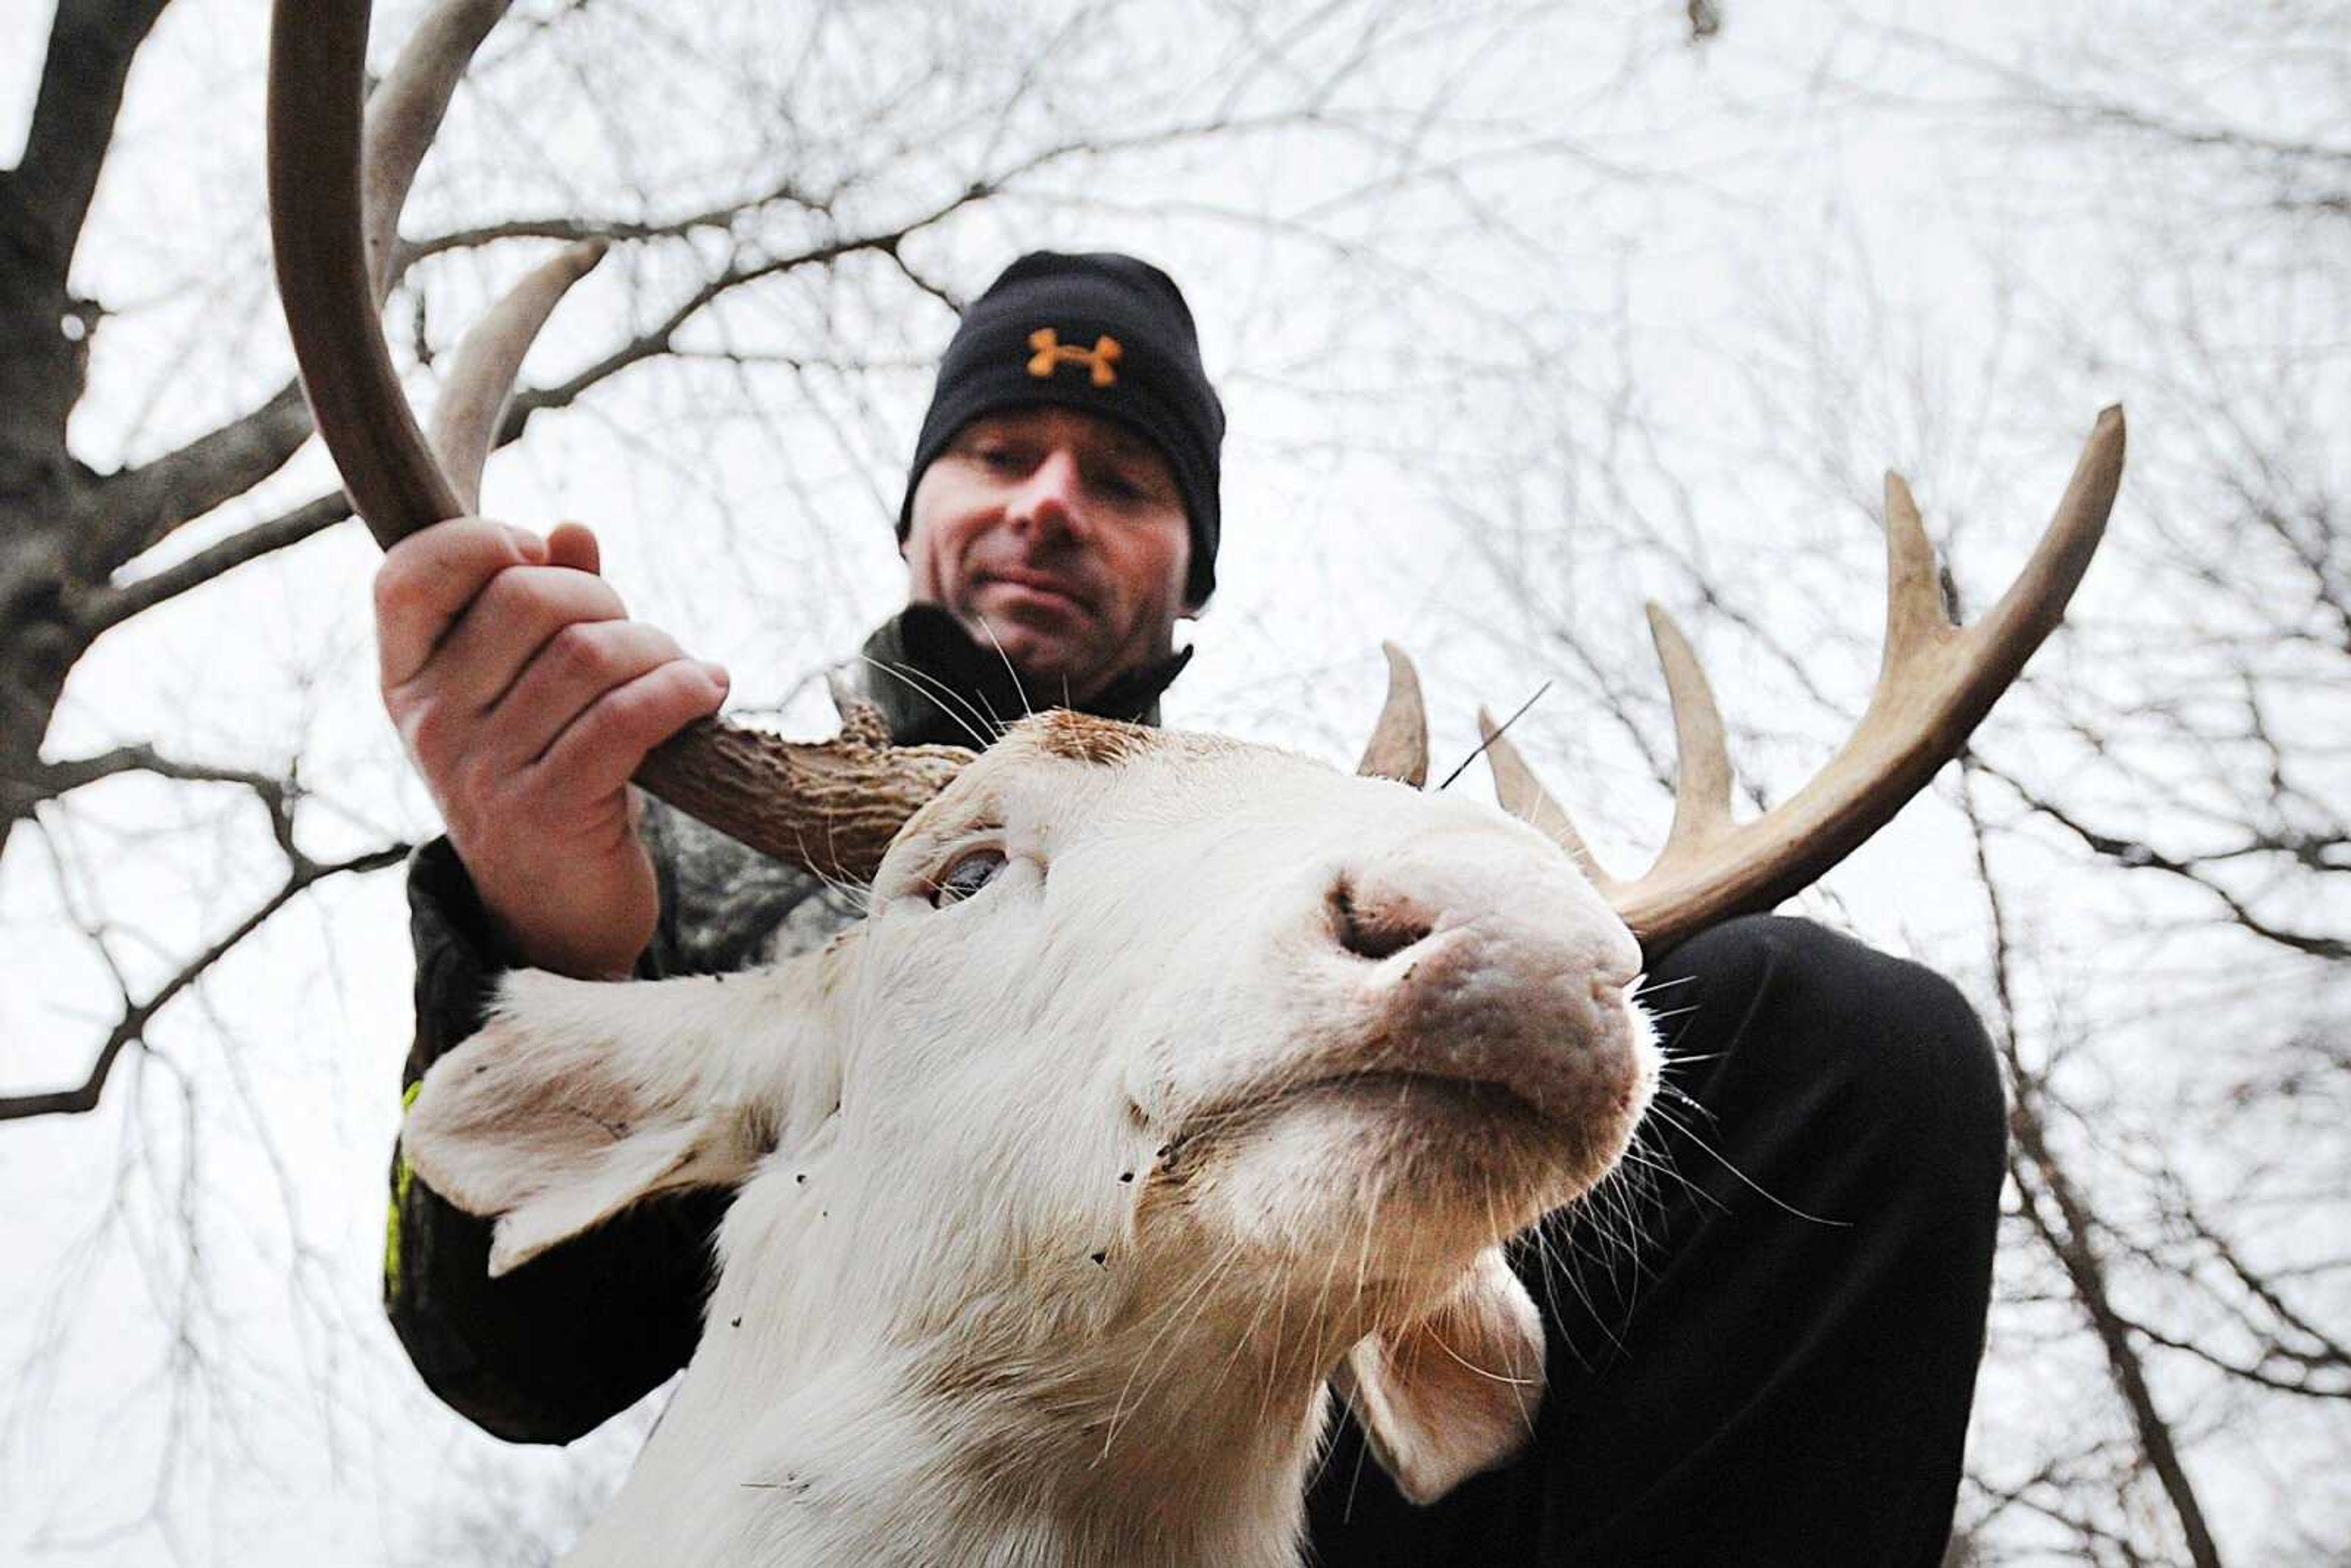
[1052, 353]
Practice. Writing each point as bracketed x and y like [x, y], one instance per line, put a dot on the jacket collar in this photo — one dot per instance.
[935, 685]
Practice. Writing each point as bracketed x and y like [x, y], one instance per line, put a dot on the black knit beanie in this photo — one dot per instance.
[1105, 334]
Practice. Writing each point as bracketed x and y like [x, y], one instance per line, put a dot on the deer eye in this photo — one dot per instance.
[965, 875]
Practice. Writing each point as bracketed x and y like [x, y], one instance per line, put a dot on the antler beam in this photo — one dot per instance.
[832, 807]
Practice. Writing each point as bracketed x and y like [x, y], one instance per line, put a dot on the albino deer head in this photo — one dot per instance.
[1165, 1077]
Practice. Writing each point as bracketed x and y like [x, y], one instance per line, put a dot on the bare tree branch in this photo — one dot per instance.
[134, 509]
[569, 228]
[57, 779]
[2071, 1236]
[131, 1028]
[113, 606]
[2256, 1374]
[2312, 850]
[2329, 1352]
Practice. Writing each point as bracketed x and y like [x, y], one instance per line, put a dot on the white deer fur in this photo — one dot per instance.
[1060, 1205]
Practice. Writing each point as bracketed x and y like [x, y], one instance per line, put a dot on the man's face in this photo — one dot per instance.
[1057, 536]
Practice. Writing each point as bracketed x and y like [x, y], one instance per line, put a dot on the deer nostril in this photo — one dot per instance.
[1375, 927]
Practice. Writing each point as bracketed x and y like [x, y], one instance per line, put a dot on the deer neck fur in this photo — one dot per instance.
[811, 1430]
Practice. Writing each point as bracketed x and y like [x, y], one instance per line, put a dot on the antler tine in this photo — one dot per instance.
[1702, 784]
[1522, 795]
[2036, 600]
[1399, 743]
[832, 808]
[482, 373]
[1916, 621]
[406, 115]
[1935, 684]
[401, 122]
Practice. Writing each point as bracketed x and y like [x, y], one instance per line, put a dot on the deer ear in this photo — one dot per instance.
[1454, 1392]
[579, 1098]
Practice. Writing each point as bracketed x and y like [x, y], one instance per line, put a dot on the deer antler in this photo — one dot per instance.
[832, 807]
[1398, 749]
[1935, 684]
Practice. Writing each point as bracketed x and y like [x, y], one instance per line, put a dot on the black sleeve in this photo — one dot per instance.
[578, 1334]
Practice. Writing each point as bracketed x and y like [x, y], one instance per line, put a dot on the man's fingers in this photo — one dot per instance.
[568, 674]
[427, 579]
[601, 748]
[494, 643]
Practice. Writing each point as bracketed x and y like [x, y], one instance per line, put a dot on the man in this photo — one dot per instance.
[1762, 1350]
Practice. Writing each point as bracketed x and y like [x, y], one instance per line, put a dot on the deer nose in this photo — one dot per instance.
[1373, 921]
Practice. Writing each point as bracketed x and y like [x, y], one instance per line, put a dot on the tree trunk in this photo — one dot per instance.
[45, 332]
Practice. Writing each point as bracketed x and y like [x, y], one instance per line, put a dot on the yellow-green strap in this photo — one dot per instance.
[401, 1176]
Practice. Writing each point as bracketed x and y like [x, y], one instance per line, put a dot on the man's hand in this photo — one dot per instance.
[527, 697]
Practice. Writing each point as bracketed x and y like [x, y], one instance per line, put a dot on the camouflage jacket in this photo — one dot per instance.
[571, 1338]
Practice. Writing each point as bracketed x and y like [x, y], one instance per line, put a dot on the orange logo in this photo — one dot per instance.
[1051, 353]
